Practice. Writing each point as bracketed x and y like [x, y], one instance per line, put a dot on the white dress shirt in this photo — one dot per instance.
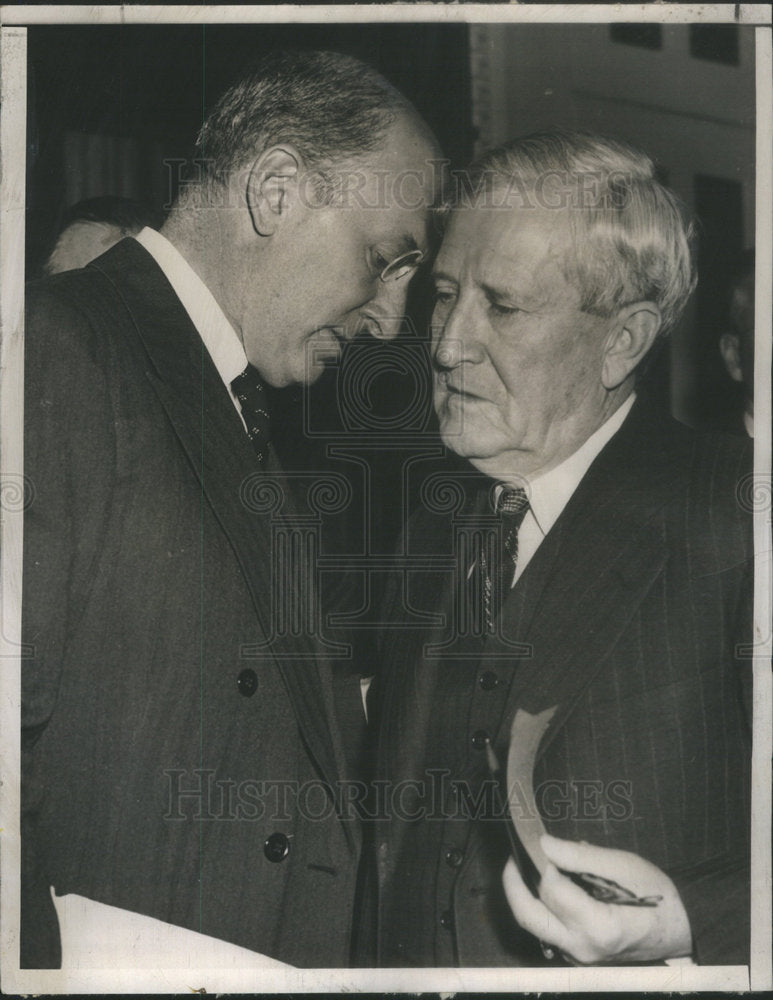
[550, 493]
[219, 337]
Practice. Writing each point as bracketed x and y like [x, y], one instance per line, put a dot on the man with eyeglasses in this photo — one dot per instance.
[175, 721]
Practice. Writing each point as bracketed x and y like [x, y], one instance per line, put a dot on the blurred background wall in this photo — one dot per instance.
[114, 110]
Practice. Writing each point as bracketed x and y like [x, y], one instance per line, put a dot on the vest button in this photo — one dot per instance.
[247, 682]
[447, 920]
[276, 847]
[454, 857]
[488, 680]
[480, 739]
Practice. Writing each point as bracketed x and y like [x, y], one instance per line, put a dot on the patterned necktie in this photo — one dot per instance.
[511, 506]
[251, 393]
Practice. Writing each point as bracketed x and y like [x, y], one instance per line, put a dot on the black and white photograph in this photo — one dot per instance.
[385, 443]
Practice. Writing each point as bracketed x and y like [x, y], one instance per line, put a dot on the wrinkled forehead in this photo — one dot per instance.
[387, 183]
[497, 241]
[394, 192]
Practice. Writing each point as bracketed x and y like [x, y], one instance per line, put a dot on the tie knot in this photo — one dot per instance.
[513, 502]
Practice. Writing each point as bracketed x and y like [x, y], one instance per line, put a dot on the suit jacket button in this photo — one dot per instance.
[479, 739]
[454, 857]
[447, 920]
[277, 847]
[247, 682]
[488, 680]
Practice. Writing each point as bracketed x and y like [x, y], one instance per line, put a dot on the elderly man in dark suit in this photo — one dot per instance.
[181, 750]
[586, 578]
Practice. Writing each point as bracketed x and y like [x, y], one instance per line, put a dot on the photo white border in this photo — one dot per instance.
[12, 214]
[388, 13]
[761, 926]
[13, 134]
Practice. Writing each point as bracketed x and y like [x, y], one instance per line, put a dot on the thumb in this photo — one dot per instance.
[629, 870]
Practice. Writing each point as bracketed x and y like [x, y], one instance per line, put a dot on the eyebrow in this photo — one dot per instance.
[528, 298]
[399, 245]
[496, 293]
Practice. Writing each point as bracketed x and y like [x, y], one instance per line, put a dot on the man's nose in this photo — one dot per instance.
[453, 338]
[386, 309]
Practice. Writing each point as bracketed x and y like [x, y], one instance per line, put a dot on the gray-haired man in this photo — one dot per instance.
[600, 597]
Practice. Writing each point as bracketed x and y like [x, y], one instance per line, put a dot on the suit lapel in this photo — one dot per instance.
[592, 571]
[210, 432]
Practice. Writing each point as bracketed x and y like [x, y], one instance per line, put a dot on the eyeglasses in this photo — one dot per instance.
[402, 265]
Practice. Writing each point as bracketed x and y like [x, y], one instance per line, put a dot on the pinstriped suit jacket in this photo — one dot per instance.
[635, 609]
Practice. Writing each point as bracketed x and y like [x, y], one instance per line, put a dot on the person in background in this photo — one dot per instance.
[736, 345]
[92, 226]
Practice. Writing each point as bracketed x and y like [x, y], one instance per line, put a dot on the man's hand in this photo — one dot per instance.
[590, 932]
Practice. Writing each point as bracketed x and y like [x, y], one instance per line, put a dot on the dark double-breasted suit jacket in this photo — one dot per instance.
[178, 733]
[635, 620]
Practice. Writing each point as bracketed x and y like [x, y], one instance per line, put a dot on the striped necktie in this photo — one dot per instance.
[511, 506]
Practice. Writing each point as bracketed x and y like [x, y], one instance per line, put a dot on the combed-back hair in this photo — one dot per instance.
[330, 107]
[633, 239]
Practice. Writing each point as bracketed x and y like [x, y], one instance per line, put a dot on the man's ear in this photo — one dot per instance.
[272, 186]
[730, 349]
[632, 335]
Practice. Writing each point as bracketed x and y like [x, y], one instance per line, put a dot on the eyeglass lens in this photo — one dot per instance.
[401, 265]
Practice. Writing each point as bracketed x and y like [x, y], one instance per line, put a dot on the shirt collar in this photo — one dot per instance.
[219, 337]
[551, 492]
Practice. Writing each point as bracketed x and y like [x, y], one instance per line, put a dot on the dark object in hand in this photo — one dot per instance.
[607, 891]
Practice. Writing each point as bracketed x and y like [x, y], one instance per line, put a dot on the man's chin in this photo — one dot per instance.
[460, 440]
[310, 370]
[468, 439]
